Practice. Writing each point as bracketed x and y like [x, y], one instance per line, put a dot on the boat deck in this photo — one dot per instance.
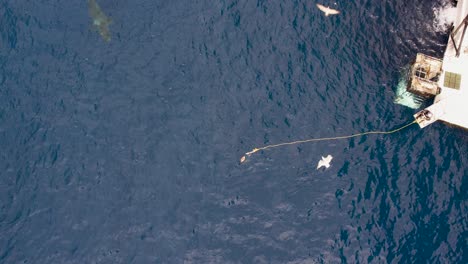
[451, 104]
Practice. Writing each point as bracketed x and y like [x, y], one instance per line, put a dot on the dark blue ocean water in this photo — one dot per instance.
[128, 151]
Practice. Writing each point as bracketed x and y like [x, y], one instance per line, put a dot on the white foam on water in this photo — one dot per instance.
[404, 97]
[444, 16]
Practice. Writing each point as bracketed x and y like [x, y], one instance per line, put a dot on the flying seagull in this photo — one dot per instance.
[324, 162]
[328, 11]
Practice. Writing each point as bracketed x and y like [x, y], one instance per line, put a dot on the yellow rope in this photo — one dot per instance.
[323, 139]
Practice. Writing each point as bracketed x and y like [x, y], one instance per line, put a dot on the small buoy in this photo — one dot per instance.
[242, 159]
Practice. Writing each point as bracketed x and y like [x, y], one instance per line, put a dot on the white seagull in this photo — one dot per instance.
[327, 10]
[324, 162]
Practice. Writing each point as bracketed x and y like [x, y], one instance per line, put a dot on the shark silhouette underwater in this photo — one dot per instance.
[100, 21]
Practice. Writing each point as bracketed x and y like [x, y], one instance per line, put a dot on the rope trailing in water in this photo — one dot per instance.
[323, 139]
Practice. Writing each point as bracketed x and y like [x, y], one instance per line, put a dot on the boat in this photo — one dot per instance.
[445, 79]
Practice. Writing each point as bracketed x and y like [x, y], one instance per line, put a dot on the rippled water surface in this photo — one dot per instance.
[128, 151]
